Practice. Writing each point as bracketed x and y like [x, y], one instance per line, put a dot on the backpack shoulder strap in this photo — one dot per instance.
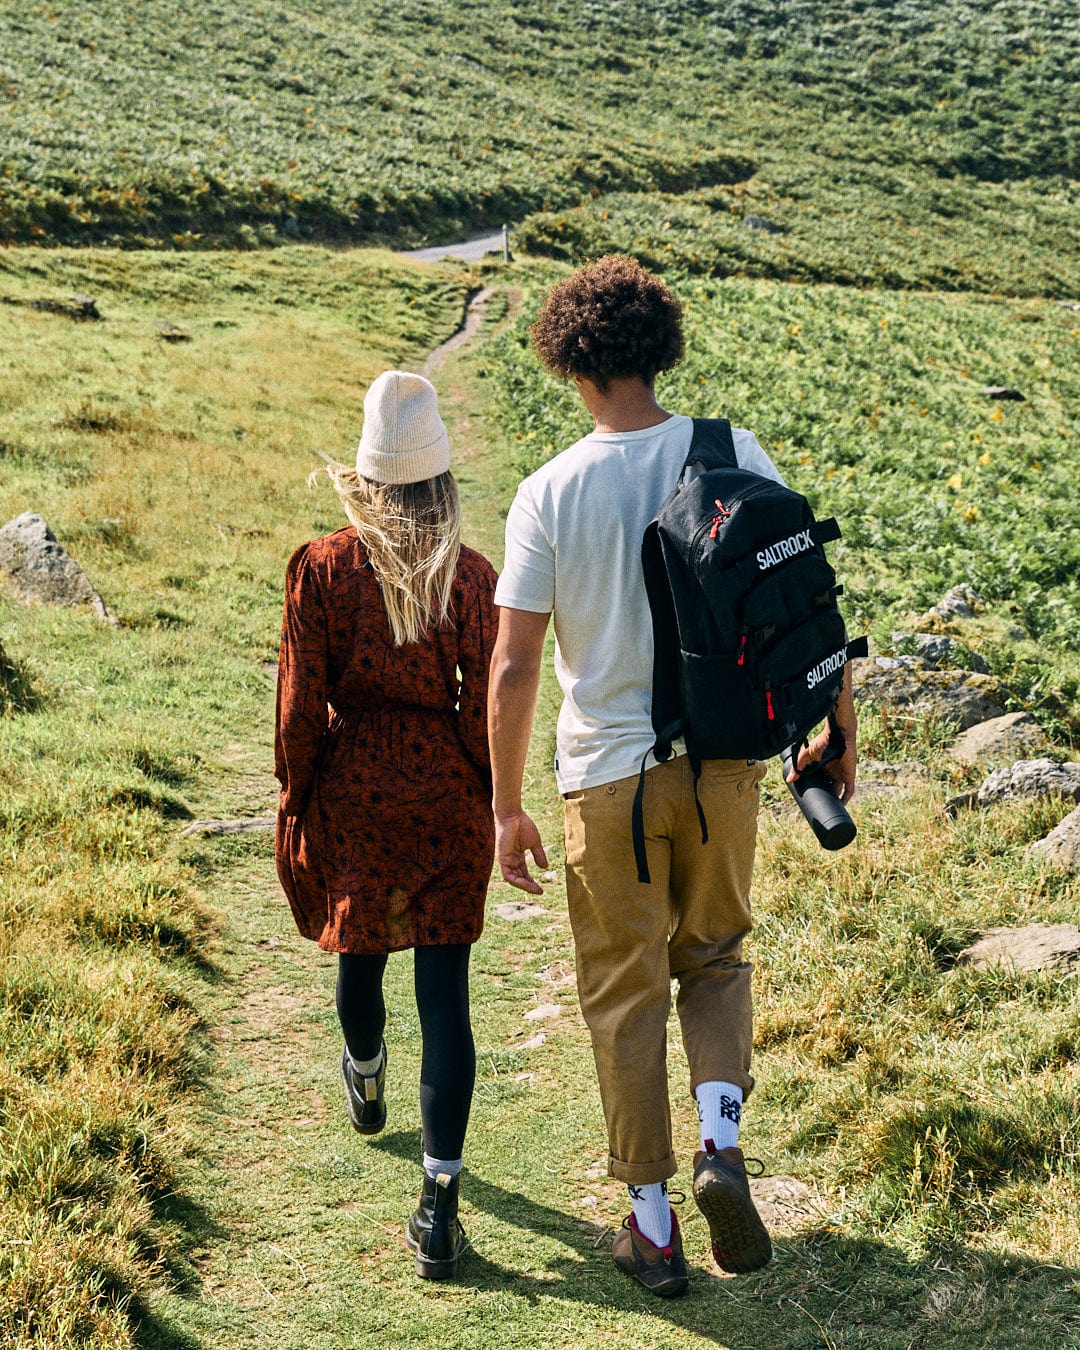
[711, 445]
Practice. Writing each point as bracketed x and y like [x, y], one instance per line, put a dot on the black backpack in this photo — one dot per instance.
[749, 644]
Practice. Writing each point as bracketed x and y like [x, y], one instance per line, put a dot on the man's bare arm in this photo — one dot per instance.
[842, 769]
[512, 688]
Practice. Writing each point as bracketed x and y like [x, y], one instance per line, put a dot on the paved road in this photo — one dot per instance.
[472, 250]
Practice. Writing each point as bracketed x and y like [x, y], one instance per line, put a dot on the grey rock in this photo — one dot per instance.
[1061, 847]
[763, 223]
[519, 909]
[39, 569]
[1036, 946]
[883, 778]
[905, 684]
[961, 602]
[1003, 739]
[786, 1204]
[938, 650]
[1031, 778]
[78, 307]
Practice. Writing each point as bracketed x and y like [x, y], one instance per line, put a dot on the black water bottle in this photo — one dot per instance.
[817, 799]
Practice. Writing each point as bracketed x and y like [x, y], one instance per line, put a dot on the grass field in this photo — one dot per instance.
[177, 1171]
[889, 144]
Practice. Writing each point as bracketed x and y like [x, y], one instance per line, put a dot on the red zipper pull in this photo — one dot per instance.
[742, 651]
[769, 706]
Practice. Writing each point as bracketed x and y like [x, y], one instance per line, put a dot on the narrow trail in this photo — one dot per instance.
[476, 309]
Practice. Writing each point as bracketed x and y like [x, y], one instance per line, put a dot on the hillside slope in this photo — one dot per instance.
[894, 143]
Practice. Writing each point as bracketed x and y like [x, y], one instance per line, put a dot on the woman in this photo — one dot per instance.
[385, 837]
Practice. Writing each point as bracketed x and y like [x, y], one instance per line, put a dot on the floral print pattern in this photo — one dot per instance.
[385, 837]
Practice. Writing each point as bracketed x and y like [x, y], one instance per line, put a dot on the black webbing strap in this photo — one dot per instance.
[711, 445]
[695, 764]
[637, 826]
[637, 811]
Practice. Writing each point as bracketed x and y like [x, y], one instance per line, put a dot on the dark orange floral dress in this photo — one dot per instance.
[385, 837]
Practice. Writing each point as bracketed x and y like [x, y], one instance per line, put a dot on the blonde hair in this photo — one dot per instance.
[412, 534]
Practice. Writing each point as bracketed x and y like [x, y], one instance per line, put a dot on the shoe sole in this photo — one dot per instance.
[740, 1242]
[429, 1269]
[673, 1288]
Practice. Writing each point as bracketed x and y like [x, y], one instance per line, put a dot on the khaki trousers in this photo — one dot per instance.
[633, 939]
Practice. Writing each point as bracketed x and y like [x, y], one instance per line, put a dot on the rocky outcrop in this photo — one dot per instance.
[1061, 847]
[1036, 946]
[910, 685]
[38, 569]
[1025, 778]
[1015, 736]
[961, 602]
[1032, 778]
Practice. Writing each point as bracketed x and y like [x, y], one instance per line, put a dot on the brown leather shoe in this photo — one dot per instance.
[662, 1270]
[740, 1242]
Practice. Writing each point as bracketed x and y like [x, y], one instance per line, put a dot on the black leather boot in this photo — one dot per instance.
[434, 1231]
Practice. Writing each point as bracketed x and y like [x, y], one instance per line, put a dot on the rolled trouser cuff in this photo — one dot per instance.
[642, 1174]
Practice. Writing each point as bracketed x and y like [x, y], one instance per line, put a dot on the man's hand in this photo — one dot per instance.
[515, 836]
[841, 725]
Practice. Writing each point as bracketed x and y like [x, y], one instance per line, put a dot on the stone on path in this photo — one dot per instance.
[519, 909]
[39, 569]
[1036, 946]
[786, 1203]
[1001, 738]
[1061, 847]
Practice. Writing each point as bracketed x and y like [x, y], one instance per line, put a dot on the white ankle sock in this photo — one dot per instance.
[652, 1211]
[368, 1068]
[719, 1111]
[433, 1166]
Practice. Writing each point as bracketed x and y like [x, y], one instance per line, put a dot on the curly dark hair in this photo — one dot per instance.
[612, 318]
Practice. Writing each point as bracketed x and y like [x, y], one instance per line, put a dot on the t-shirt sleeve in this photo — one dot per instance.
[750, 456]
[527, 580]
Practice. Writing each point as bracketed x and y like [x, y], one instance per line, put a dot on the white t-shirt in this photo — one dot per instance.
[573, 548]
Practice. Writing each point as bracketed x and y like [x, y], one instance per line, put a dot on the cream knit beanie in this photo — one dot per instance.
[403, 440]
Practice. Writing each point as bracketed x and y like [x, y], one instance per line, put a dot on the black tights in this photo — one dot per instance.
[448, 1067]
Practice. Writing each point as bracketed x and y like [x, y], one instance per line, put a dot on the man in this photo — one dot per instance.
[573, 550]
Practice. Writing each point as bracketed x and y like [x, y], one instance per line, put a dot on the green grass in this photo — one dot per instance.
[176, 1171]
[892, 143]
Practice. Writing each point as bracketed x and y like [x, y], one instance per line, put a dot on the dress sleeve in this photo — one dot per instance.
[302, 714]
[476, 641]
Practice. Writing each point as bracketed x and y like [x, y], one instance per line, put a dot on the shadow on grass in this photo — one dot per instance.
[182, 1215]
[821, 1287]
[154, 1333]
